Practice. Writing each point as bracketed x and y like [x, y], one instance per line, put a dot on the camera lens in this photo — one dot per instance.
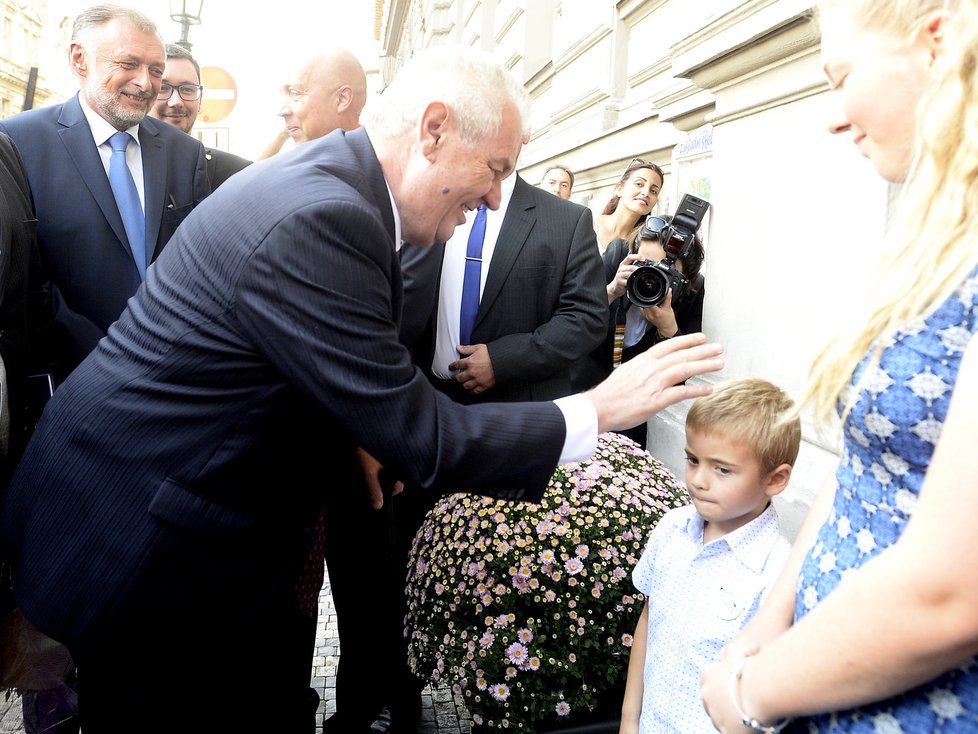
[647, 286]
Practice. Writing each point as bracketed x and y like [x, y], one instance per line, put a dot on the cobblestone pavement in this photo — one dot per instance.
[441, 713]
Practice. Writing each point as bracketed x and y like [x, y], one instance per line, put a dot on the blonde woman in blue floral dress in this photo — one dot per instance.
[873, 626]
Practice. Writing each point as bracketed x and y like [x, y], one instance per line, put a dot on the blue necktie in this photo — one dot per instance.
[472, 280]
[127, 198]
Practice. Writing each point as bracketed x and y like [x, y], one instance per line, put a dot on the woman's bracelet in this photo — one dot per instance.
[736, 672]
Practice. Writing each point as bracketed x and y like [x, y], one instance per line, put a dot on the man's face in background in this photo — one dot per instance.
[177, 111]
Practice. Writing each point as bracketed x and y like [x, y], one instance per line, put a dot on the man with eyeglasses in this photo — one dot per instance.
[104, 215]
[324, 93]
[179, 104]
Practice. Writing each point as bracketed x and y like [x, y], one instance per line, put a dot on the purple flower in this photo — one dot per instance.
[517, 653]
[537, 579]
[573, 566]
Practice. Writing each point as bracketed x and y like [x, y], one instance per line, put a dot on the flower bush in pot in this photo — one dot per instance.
[527, 610]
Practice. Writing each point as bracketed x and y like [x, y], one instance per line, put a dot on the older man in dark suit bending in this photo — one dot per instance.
[163, 511]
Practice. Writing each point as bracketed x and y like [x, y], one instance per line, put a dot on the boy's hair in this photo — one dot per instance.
[754, 412]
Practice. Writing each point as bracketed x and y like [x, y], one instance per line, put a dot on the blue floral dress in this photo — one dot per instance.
[889, 438]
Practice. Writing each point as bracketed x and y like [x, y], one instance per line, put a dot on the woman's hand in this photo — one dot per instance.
[717, 700]
[662, 317]
[616, 288]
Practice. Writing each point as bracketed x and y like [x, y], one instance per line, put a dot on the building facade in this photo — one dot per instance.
[30, 71]
[728, 97]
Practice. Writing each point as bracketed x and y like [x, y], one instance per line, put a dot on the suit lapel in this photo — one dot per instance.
[364, 152]
[517, 225]
[77, 138]
[155, 177]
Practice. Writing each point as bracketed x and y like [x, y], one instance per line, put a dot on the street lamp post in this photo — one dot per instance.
[186, 13]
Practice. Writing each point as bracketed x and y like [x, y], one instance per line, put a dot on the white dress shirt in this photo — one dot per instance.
[101, 132]
[453, 272]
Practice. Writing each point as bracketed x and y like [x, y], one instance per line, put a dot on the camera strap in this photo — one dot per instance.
[619, 343]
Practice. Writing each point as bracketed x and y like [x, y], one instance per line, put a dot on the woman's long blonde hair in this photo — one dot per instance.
[932, 243]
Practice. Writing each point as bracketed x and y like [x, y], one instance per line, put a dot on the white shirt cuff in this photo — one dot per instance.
[581, 420]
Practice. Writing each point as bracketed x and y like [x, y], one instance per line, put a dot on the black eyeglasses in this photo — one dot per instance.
[187, 92]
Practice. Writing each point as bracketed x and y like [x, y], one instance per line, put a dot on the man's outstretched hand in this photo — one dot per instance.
[654, 380]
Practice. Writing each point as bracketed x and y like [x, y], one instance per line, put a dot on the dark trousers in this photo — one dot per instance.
[410, 509]
[229, 650]
[193, 691]
[358, 562]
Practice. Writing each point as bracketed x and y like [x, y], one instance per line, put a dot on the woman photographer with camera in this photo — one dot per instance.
[633, 329]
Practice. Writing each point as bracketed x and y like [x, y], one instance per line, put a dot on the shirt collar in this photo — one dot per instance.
[397, 216]
[506, 189]
[101, 129]
[751, 544]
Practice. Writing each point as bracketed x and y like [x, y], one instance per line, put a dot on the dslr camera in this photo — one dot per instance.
[652, 280]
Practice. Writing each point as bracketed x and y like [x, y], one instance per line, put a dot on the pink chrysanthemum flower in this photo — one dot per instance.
[536, 578]
[517, 653]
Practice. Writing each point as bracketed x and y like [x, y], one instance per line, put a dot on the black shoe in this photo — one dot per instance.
[383, 723]
[340, 724]
[405, 720]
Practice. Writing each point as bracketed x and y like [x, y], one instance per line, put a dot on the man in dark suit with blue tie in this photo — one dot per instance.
[163, 511]
[94, 249]
[538, 305]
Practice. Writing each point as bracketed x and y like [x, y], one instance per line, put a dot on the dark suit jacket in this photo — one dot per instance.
[544, 305]
[543, 308]
[175, 476]
[221, 165]
[25, 305]
[83, 243]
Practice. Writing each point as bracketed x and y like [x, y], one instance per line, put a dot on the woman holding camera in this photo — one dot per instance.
[633, 329]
